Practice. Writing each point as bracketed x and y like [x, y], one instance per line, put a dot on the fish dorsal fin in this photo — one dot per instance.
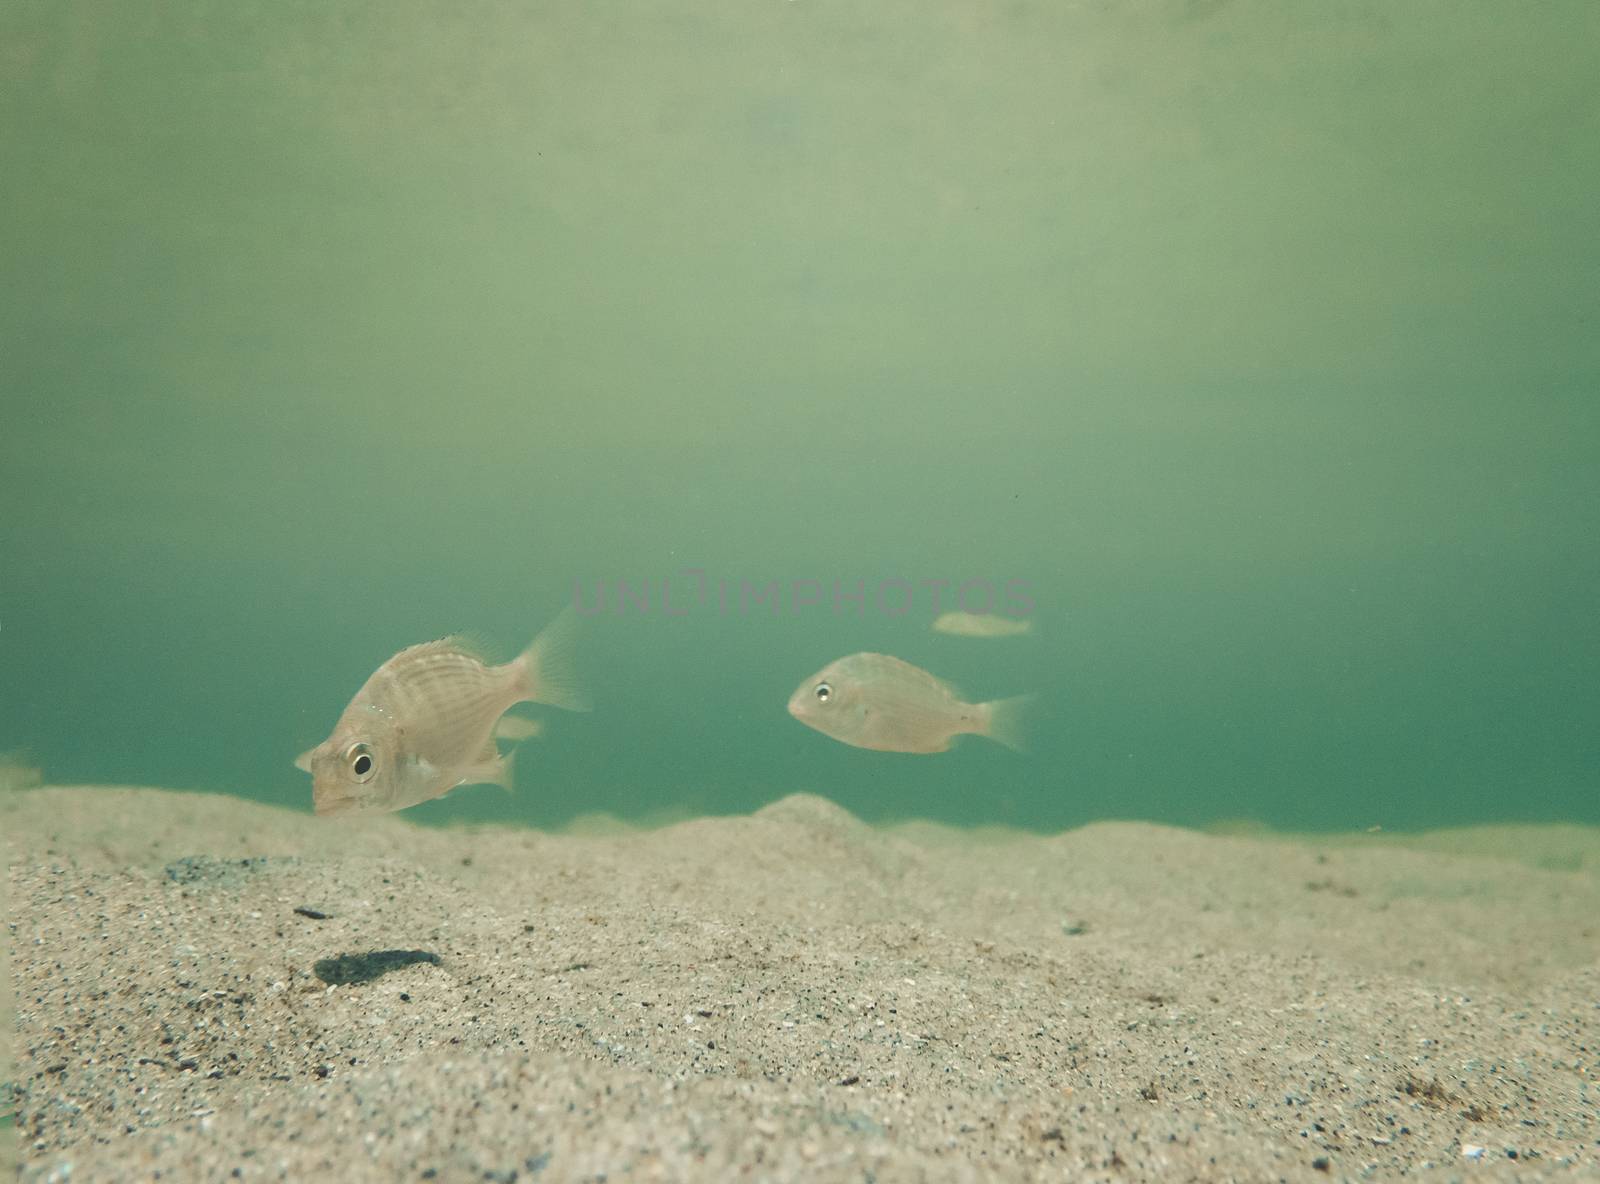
[942, 684]
[474, 645]
[456, 646]
[428, 649]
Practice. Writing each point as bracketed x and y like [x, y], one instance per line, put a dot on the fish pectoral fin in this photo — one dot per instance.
[491, 768]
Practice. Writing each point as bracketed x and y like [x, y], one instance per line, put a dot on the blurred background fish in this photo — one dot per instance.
[959, 624]
[879, 701]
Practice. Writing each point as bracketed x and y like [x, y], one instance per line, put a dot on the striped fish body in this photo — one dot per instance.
[882, 702]
[425, 722]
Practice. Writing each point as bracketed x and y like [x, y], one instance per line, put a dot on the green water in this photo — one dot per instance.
[1259, 339]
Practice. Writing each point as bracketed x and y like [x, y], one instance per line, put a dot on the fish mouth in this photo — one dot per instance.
[329, 803]
[800, 703]
[803, 701]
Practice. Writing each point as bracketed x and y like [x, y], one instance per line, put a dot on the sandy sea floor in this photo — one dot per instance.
[208, 989]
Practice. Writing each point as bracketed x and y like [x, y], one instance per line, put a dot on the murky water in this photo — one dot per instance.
[1254, 345]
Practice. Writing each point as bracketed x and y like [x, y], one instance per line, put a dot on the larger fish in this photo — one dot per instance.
[878, 701]
[426, 720]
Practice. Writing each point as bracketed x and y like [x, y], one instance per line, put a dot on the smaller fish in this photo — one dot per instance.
[980, 625]
[426, 722]
[881, 702]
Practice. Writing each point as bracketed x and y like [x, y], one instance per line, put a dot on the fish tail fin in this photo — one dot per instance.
[547, 666]
[1008, 721]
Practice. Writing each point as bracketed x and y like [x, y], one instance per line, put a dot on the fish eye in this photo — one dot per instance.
[824, 692]
[359, 758]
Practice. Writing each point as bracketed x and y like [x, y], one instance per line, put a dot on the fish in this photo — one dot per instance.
[980, 625]
[881, 702]
[426, 720]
